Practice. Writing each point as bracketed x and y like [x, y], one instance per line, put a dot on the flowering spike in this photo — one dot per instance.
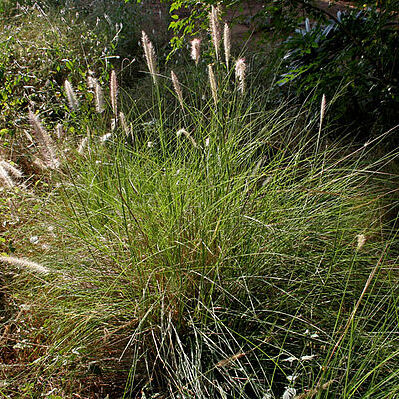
[240, 74]
[227, 43]
[195, 50]
[24, 263]
[215, 29]
[178, 91]
[188, 136]
[11, 169]
[5, 178]
[322, 109]
[122, 120]
[150, 57]
[212, 81]
[114, 93]
[71, 96]
[45, 142]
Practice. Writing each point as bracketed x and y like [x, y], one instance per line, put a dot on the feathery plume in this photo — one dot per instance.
[83, 145]
[227, 43]
[188, 136]
[195, 50]
[122, 120]
[361, 240]
[215, 29]
[309, 394]
[106, 137]
[11, 169]
[5, 178]
[24, 263]
[59, 131]
[150, 57]
[99, 97]
[71, 96]
[289, 393]
[91, 80]
[114, 93]
[45, 142]
[322, 110]
[228, 362]
[212, 81]
[113, 124]
[178, 91]
[240, 74]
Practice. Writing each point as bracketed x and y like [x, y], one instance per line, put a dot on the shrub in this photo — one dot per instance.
[355, 51]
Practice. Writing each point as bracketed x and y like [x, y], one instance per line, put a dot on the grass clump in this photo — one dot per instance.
[212, 250]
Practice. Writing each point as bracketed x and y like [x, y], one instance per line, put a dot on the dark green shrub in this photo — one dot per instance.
[357, 52]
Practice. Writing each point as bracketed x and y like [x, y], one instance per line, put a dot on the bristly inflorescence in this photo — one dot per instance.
[150, 57]
[227, 43]
[177, 87]
[71, 96]
[240, 70]
[322, 109]
[215, 29]
[123, 122]
[212, 82]
[5, 178]
[45, 142]
[188, 136]
[114, 93]
[195, 50]
[99, 97]
[25, 264]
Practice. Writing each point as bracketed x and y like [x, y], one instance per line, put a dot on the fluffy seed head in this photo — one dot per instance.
[71, 96]
[361, 240]
[240, 74]
[5, 178]
[150, 57]
[212, 81]
[90, 79]
[114, 93]
[99, 97]
[45, 142]
[195, 50]
[122, 120]
[188, 136]
[322, 109]
[59, 131]
[11, 169]
[83, 145]
[227, 43]
[105, 137]
[24, 263]
[178, 91]
[215, 29]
